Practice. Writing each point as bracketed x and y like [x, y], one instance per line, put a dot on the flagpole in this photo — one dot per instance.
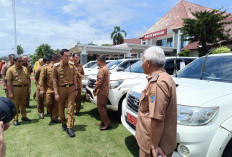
[14, 18]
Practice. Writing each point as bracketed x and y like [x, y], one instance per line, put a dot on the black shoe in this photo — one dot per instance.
[41, 116]
[70, 132]
[26, 119]
[16, 123]
[56, 121]
[64, 127]
[28, 106]
[78, 114]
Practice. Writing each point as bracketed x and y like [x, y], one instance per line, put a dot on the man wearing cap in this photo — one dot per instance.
[4, 70]
[80, 74]
[157, 114]
[29, 69]
[18, 84]
[101, 90]
[65, 89]
[46, 88]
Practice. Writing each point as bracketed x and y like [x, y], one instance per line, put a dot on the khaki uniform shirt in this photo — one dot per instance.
[80, 70]
[37, 75]
[64, 73]
[5, 68]
[45, 81]
[29, 67]
[103, 81]
[17, 76]
[158, 101]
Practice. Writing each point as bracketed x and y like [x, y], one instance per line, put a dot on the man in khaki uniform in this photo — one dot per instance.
[29, 69]
[102, 91]
[65, 89]
[80, 74]
[4, 70]
[46, 89]
[39, 99]
[157, 114]
[18, 84]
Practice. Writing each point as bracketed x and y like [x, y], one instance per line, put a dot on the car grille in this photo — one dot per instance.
[91, 83]
[133, 101]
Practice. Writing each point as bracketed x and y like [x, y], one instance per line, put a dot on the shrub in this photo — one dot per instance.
[185, 53]
[221, 49]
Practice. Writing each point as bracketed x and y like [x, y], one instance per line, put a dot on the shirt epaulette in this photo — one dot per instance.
[71, 63]
[154, 78]
[56, 64]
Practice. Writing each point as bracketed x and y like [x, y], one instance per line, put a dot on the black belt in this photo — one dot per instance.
[19, 85]
[67, 85]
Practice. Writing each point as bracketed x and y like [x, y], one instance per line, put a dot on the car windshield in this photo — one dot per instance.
[94, 65]
[111, 65]
[135, 68]
[89, 65]
[217, 68]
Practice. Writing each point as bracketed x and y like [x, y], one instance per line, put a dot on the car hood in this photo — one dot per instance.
[195, 92]
[125, 75]
[91, 72]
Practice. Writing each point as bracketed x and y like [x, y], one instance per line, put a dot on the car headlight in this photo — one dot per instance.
[195, 116]
[115, 84]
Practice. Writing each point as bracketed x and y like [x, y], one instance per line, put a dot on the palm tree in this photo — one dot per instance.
[117, 36]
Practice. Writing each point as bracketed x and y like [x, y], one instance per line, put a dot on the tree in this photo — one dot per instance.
[117, 36]
[185, 53]
[221, 49]
[19, 50]
[42, 51]
[207, 27]
[91, 43]
[106, 45]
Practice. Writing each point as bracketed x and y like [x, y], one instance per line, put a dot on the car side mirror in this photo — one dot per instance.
[120, 69]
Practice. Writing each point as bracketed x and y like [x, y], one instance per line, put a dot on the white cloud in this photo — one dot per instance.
[5, 2]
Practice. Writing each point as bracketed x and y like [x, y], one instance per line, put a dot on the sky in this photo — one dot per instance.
[62, 23]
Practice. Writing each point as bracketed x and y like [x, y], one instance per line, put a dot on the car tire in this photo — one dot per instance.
[228, 150]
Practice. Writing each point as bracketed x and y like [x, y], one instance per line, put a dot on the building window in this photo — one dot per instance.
[164, 42]
[159, 42]
[183, 43]
[169, 42]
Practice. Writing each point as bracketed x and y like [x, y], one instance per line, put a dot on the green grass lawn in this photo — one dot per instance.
[40, 138]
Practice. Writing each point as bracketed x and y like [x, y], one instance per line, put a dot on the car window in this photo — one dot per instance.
[217, 68]
[135, 68]
[113, 64]
[127, 64]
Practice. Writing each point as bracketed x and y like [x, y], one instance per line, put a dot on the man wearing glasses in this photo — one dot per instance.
[18, 84]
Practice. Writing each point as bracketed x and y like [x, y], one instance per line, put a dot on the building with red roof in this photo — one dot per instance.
[166, 32]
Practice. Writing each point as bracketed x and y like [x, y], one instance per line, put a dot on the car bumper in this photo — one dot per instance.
[193, 141]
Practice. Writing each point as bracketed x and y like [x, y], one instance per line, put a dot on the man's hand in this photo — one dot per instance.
[76, 92]
[41, 93]
[94, 93]
[57, 97]
[11, 95]
[157, 151]
[4, 87]
[2, 141]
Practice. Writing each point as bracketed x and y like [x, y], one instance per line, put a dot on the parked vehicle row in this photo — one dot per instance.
[204, 97]
[121, 82]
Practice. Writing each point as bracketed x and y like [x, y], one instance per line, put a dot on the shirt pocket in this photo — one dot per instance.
[144, 104]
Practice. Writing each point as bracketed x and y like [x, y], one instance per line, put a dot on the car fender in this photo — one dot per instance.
[219, 142]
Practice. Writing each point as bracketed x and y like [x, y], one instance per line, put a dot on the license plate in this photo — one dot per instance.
[132, 119]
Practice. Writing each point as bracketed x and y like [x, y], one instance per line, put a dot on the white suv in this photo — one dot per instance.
[121, 82]
[204, 98]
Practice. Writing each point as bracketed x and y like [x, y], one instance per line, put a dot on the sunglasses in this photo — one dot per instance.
[20, 61]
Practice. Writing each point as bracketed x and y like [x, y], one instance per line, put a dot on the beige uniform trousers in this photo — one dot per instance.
[102, 109]
[51, 105]
[67, 95]
[19, 99]
[39, 100]
[78, 101]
